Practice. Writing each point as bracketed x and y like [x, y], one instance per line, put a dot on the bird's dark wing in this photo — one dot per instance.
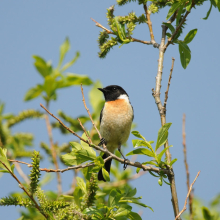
[133, 113]
[100, 119]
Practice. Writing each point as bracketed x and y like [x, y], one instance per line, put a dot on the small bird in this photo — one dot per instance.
[115, 121]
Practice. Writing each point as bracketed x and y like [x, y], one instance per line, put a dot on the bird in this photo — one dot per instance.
[116, 118]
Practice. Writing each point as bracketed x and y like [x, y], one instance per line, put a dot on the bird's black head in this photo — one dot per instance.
[112, 92]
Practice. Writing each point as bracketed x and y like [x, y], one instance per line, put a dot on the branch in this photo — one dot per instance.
[132, 39]
[162, 112]
[90, 141]
[184, 207]
[54, 155]
[168, 86]
[21, 173]
[84, 102]
[177, 29]
[149, 23]
[187, 168]
[22, 187]
[113, 156]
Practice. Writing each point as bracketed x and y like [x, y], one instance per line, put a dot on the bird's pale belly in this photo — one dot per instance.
[115, 128]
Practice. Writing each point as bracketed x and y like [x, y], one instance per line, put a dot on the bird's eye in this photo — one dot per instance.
[114, 88]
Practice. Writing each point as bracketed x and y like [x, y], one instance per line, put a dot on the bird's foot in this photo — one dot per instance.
[125, 164]
[102, 141]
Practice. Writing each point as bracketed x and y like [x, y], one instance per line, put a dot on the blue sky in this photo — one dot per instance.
[39, 27]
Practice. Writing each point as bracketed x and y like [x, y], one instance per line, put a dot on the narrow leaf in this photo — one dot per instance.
[170, 26]
[162, 135]
[105, 174]
[173, 161]
[185, 54]
[189, 37]
[159, 156]
[137, 134]
[173, 8]
[69, 64]
[33, 93]
[142, 151]
[64, 48]
[42, 67]
[81, 184]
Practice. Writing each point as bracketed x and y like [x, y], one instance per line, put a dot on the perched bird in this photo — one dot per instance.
[115, 121]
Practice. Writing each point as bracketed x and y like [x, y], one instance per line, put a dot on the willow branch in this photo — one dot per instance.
[162, 112]
[84, 102]
[54, 155]
[187, 167]
[132, 39]
[190, 189]
[21, 173]
[23, 188]
[90, 141]
[113, 156]
[149, 23]
[168, 86]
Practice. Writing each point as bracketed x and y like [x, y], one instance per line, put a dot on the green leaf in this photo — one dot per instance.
[153, 174]
[122, 211]
[75, 146]
[189, 37]
[162, 135]
[185, 54]
[76, 79]
[33, 92]
[189, 5]
[167, 182]
[50, 85]
[207, 214]
[87, 147]
[209, 11]
[137, 134]
[69, 64]
[173, 8]
[64, 48]
[134, 216]
[131, 192]
[137, 143]
[3, 158]
[78, 196]
[173, 161]
[114, 197]
[170, 26]
[105, 174]
[142, 151]
[42, 67]
[81, 184]
[96, 96]
[159, 156]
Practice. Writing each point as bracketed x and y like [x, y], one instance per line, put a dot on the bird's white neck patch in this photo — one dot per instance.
[124, 96]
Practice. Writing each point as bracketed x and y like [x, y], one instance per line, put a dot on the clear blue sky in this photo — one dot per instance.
[39, 27]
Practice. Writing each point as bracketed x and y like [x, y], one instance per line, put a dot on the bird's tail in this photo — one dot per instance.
[107, 167]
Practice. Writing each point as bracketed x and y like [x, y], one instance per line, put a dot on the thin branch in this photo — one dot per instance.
[90, 141]
[149, 23]
[135, 164]
[190, 188]
[132, 39]
[177, 29]
[168, 86]
[54, 155]
[84, 102]
[71, 131]
[22, 187]
[186, 166]
[21, 173]
[156, 95]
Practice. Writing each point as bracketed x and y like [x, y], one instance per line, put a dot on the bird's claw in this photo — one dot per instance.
[102, 141]
[125, 165]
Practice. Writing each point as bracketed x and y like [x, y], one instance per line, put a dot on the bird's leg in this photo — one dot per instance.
[102, 141]
[125, 159]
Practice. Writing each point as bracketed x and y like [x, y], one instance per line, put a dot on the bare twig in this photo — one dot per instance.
[21, 173]
[22, 187]
[149, 23]
[71, 131]
[90, 141]
[190, 188]
[168, 86]
[84, 102]
[187, 168]
[113, 156]
[156, 95]
[132, 39]
[54, 155]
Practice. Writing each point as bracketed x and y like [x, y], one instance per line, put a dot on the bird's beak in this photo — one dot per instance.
[101, 89]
